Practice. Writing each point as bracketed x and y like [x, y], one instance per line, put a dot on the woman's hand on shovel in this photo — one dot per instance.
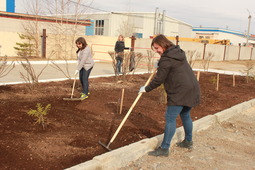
[142, 89]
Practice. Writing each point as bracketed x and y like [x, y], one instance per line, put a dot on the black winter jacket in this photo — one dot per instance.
[120, 46]
[180, 83]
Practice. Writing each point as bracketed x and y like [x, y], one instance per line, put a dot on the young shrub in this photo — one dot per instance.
[213, 80]
[5, 68]
[40, 113]
[249, 66]
[206, 61]
[192, 57]
[25, 49]
[30, 76]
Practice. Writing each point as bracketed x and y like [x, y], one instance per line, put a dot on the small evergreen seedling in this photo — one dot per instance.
[40, 113]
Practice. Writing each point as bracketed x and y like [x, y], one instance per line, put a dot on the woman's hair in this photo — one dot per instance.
[83, 42]
[120, 36]
[162, 41]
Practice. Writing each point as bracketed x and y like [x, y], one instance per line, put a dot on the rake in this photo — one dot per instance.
[126, 116]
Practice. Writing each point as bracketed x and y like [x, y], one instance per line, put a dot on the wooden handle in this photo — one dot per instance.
[121, 101]
[130, 110]
[73, 86]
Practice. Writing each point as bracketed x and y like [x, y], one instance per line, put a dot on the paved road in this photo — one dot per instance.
[51, 73]
[105, 68]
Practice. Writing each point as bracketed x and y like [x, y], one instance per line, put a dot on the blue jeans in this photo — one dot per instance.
[84, 79]
[171, 114]
[118, 65]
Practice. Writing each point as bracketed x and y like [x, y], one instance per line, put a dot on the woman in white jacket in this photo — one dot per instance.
[85, 65]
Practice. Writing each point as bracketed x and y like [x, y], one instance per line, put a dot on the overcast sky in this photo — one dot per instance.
[231, 14]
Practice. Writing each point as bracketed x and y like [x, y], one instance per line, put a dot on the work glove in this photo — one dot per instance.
[76, 72]
[142, 90]
[156, 64]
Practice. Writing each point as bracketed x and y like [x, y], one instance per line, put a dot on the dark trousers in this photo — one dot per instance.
[84, 79]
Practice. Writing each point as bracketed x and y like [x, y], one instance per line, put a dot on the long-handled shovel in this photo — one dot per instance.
[128, 113]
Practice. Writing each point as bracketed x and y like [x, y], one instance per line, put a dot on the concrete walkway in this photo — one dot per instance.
[105, 68]
[50, 73]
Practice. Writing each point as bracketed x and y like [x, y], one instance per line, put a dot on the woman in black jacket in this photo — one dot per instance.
[182, 90]
[119, 50]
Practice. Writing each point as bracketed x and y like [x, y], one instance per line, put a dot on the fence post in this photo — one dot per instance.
[224, 55]
[132, 43]
[204, 51]
[177, 39]
[239, 51]
[251, 53]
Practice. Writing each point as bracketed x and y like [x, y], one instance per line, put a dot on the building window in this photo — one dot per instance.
[99, 27]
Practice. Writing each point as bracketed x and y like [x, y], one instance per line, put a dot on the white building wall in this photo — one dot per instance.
[185, 30]
[141, 22]
[11, 27]
[148, 26]
[3, 5]
[171, 29]
[175, 27]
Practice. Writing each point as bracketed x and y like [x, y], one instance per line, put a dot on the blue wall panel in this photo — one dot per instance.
[10, 5]
[90, 29]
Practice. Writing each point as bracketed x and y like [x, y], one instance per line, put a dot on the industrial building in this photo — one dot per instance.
[139, 24]
[235, 38]
[101, 30]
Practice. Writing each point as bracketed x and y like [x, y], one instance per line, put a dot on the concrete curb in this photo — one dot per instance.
[123, 156]
[45, 62]
[62, 79]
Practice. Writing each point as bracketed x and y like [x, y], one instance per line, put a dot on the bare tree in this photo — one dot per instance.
[192, 57]
[206, 61]
[137, 59]
[126, 28]
[150, 60]
[30, 76]
[114, 62]
[248, 70]
[126, 65]
[5, 68]
[64, 34]
[32, 28]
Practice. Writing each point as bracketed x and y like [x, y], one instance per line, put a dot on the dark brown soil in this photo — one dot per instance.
[75, 127]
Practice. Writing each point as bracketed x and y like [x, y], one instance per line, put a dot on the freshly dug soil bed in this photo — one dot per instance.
[75, 127]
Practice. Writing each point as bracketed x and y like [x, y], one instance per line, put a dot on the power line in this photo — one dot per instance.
[128, 14]
[89, 7]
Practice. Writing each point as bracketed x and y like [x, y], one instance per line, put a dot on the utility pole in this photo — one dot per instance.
[159, 22]
[44, 43]
[163, 22]
[156, 22]
[248, 33]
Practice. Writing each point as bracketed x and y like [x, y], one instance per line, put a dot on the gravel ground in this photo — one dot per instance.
[228, 145]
